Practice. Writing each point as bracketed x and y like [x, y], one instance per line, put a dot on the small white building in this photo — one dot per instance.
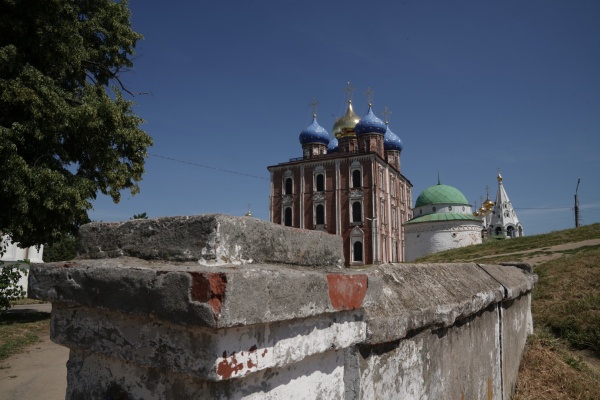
[13, 253]
[442, 220]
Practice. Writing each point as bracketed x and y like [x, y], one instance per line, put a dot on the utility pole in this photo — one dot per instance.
[577, 204]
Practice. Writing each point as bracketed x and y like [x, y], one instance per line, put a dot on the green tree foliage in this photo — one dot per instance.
[9, 284]
[140, 216]
[66, 131]
[62, 250]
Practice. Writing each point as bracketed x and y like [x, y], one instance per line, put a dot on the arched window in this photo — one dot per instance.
[498, 231]
[510, 231]
[288, 186]
[358, 251]
[320, 211]
[356, 181]
[288, 216]
[356, 212]
[320, 183]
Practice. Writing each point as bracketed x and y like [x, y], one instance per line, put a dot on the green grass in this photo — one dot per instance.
[567, 298]
[19, 330]
[25, 301]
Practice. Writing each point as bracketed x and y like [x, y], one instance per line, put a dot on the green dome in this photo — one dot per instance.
[441, 194]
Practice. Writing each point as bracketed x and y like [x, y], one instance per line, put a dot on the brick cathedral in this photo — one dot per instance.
[349, 185]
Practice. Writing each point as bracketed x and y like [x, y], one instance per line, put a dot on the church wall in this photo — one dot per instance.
[431, 237]
[338, 198]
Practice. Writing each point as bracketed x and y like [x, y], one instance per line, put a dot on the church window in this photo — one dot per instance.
[288, 186]
[356, 179]
[358, 251]
[449, 208]
[320, 182]
[356, 212]
[420, 211]
[498, 231]
[287, 218]
[463, 209]
[381, 179]
[434, 209]
[320, 214]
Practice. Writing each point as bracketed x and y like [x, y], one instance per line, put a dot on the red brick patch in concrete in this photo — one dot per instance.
[209, 288]
[347, 292]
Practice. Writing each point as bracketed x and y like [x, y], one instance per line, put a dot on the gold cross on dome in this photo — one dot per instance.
[349, 89]
[314, 105]
[370, 92]
[386, 113]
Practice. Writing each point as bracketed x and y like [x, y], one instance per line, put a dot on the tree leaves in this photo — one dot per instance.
[66, 132]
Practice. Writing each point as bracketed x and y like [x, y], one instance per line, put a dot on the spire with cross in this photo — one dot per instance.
[370, 92]
[314, 104]
[349, 89]
[386, 114]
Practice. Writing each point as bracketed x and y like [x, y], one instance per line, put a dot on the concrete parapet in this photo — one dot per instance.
[211, 239]
[164, 329]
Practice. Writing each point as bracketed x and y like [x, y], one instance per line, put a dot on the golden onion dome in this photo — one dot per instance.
[476, 213]
[499, 177]
[482, 210]
[344, 126]
[488, 204]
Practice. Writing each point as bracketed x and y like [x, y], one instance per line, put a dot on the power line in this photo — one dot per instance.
[543, 208]
[209, 167]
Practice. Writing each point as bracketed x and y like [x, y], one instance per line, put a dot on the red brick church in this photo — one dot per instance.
[349, 185]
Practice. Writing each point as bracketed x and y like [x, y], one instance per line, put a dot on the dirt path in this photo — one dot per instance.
[534, 257]
[39, 372]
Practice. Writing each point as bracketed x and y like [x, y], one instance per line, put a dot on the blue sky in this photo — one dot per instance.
[473, 86]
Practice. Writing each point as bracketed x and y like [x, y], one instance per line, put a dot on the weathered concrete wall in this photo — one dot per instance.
[165, 329]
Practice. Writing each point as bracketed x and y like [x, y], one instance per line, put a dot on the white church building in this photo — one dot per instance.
[442, 220]
[501, 220]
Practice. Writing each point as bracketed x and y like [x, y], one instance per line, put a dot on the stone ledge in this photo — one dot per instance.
[410, 297]
[210, 239]
[397, 298]
[188, 294]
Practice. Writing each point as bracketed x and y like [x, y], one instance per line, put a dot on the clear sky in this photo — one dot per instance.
[473, 86]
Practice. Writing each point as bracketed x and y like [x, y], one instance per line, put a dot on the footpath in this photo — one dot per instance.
[39, 372]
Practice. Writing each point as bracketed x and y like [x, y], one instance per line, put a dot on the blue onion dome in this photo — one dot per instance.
[314, 133]
[333, 146]
[370, 124]
[391, 141]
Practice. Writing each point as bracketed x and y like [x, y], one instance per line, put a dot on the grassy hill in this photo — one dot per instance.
[562, 359]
